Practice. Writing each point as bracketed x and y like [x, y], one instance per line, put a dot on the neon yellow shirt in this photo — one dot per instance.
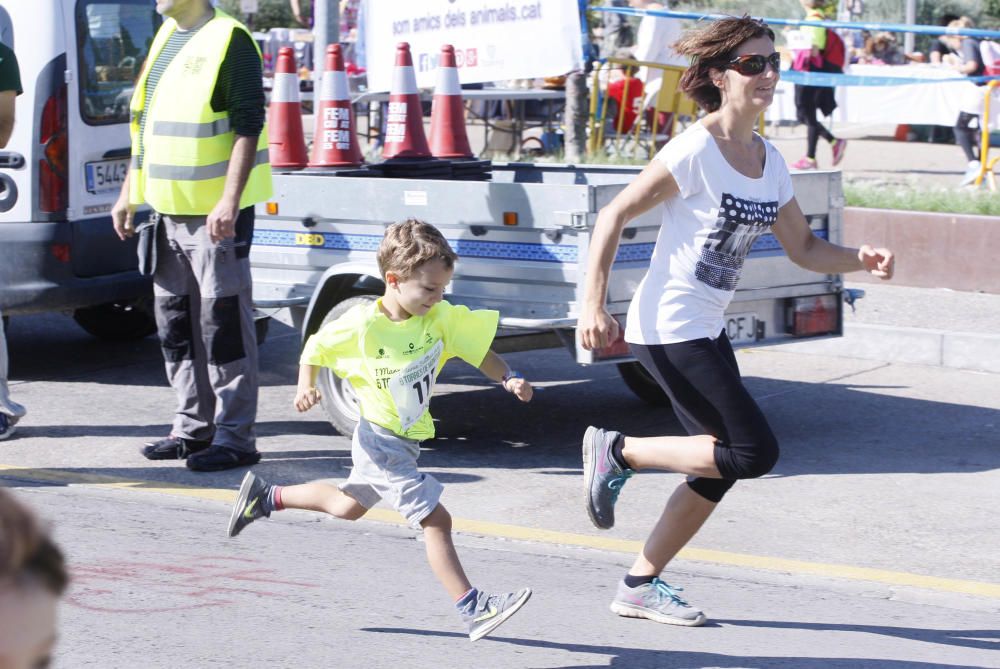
[818, 33]
[392, 365]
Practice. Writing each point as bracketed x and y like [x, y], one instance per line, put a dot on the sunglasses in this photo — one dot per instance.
[753, 65]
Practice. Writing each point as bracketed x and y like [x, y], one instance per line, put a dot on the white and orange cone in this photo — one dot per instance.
[286, 141]
[448, 136]
[335, 143]
[404, 134]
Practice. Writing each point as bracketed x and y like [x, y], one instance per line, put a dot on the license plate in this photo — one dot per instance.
[106, 175]
[741, 328]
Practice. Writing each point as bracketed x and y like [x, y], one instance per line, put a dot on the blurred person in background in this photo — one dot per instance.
[616, 31]
[654, 44]
[882, 49]
[10, 88]
[967, 126]
[626, 95]
[809, 100]
[940, 51]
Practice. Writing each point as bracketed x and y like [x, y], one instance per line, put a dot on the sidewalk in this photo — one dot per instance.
[874, 158]
[924, 326]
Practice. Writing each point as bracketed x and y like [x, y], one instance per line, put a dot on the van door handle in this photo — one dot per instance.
[11, 160]
[118, 153]
[8, 193]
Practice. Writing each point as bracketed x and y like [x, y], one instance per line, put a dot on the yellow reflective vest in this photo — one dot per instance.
[185, 145]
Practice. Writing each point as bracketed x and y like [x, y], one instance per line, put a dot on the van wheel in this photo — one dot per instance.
[642, 383]
[339, 399]
[118, 321]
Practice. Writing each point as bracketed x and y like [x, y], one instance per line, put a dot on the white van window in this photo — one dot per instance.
[114, 38]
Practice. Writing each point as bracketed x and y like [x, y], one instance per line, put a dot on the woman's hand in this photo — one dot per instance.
[877, 262]
[597, 328]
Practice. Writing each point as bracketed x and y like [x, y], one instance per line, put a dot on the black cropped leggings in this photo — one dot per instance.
[702, 379]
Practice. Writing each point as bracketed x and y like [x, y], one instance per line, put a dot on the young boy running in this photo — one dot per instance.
[392, 351]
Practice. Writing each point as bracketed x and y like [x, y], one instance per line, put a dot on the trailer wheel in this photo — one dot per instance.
[118, 321]
[339, 400]
[641, 382]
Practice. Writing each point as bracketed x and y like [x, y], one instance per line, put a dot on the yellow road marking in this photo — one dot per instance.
[485, 528]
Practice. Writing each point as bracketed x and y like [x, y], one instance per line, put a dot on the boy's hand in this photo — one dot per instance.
[307, 398]
[519, 388]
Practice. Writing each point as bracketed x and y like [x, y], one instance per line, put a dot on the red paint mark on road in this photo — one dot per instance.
[166, 585]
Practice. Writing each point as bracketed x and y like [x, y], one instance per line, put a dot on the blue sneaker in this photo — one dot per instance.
[488, 611]
[656, 601]
[6, 426]
[602, 477]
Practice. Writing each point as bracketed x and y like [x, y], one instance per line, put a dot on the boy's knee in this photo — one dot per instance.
[356, 512]
[438, 519]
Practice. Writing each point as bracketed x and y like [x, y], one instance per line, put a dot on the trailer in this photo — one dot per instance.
[522, 239]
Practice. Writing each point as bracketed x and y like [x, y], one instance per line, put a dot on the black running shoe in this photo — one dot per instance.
[173, 448]
[249, 504]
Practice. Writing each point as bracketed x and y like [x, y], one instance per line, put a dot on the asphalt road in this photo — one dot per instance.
[874, 543]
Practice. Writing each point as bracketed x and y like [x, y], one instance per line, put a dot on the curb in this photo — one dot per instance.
[942, 348]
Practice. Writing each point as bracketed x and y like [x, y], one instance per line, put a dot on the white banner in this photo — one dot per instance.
[494, 40]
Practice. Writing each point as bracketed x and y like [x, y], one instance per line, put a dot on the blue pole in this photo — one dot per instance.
[871, 27]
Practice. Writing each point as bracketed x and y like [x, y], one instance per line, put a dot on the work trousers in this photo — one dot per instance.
[204, 318]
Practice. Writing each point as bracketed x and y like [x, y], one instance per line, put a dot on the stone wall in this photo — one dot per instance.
[932, 250]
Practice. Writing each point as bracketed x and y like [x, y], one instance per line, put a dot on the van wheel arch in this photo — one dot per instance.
[118, 321]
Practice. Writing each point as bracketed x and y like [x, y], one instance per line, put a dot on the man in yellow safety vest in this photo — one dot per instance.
[200, 161]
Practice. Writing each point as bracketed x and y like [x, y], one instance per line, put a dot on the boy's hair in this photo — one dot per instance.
[409, 244]
[712, 47]
[28, 557]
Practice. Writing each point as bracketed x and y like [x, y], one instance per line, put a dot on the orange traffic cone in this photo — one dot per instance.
[286, 141]
[404, 134]
[334, 141]
[448, 136]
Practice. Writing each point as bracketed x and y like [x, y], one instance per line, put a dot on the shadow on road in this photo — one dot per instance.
[823, 428]
[983, 639]
[641, 658]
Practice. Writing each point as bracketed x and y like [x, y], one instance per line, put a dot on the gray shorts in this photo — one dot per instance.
[385, 467]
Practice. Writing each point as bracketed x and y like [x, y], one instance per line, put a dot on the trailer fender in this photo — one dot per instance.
[338, 283]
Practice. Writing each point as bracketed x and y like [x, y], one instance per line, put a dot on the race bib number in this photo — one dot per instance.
[411, 387]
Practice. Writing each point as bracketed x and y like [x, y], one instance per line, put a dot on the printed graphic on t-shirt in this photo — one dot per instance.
[738, 226]
[412, 386]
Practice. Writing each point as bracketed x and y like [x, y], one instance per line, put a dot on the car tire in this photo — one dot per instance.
[642, 383]
[338, 397]
[118, 321]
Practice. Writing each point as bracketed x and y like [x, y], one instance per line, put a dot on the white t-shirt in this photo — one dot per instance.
[705, 235]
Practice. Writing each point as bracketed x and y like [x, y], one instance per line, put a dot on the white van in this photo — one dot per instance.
[63, 168]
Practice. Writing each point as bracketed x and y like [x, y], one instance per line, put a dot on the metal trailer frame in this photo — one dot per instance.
[522, 240]
[319, 248]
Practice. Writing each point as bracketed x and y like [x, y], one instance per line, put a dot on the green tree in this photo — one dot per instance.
[270, 13]
[992, 7]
